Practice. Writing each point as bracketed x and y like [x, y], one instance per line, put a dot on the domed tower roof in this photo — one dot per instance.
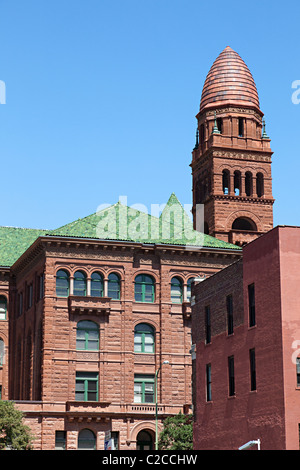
[229, 81]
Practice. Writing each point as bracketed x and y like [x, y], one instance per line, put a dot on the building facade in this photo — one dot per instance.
[91, 321]
[246, 328]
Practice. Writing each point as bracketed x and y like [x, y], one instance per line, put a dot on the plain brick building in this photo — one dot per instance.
[95, 307]
[246, 328]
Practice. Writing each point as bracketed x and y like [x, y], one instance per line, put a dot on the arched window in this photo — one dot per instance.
[259, 184]
[189, 289]
[237, 183]
[248, 183]
[87, 335]
[144, 441]
[86, 440]
[243, 223]
[144, 288]
[113, 286]
[79, 283]
[176, 290]
[226, 181]
[62, 283]
[144, 338]
[97, 285]
[2, 351]
[3, 307]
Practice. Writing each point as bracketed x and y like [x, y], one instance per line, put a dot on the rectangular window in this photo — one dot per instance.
[41, 286]
[252, 369]
[60, 440]
[207, 325]
[208, 382]
[115, 438]
[229, 304]
[20, 304]
[231, 376]
[241, 127]
[298, 371]
[86, 387]
[144, 389]
[251, 300]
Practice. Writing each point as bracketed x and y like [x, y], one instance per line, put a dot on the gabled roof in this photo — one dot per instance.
[117, 223]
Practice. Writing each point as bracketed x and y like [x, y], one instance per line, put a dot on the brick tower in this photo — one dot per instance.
[231, 164]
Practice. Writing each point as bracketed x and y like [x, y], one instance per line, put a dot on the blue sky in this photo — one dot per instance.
[101, 98]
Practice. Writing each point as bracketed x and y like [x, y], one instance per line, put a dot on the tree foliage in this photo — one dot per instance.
[14, 434]
[177, 433]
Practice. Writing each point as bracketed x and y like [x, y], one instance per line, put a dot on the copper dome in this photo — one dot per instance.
[229, 81]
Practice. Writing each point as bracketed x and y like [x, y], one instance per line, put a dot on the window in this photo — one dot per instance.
[79, 283]
[60, 440]
[86, 387]
[41, 280]
[248, 183]
[176, 290]
[3, 307]
[144, 288]
[87, 336]
[251, 300]
[231, 376]
[208, 382]
[2, 352]
[96, 285]
[113, 286]
[62, 283]
[298, 371]
[189, 289]
[144, 389]
[259, 184]
[115, 439]
[229, 305]
[252, 370]
[29, 295]
[86, 440]
[20, 311]
[243, 223]
[237, 183]
[226, 181]
[241, 127]
[207, 325]
[144, 338]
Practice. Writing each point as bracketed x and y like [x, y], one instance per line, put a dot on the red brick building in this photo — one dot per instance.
[246, 328]
[94, 309]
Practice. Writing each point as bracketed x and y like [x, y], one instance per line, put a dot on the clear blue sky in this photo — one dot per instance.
[101, 98]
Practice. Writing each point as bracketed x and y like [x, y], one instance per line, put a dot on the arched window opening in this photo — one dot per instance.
[226, 181]
[3, 307]
[237, 183]
[96, 285]
[259, 184]
[114, 286]
[144, 288]
[80, 283]
[87, 336]
[248, 183]
[144, 338]
[241, 127]
[144, 441]
[62, 283]
[176, 290]
[86, 440]
[243, 223]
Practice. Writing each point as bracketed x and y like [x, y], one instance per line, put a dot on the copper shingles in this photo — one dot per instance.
[229, 81]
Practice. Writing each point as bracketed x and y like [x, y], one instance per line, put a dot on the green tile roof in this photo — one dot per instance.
[117, 222]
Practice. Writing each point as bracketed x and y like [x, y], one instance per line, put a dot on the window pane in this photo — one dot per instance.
[80, 344]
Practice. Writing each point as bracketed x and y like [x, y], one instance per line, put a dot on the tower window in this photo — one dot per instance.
[241, 127]
[259, 184]
[237, 183]
[226, 181]
[248, 183]
[220, 125]
[243, 223]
